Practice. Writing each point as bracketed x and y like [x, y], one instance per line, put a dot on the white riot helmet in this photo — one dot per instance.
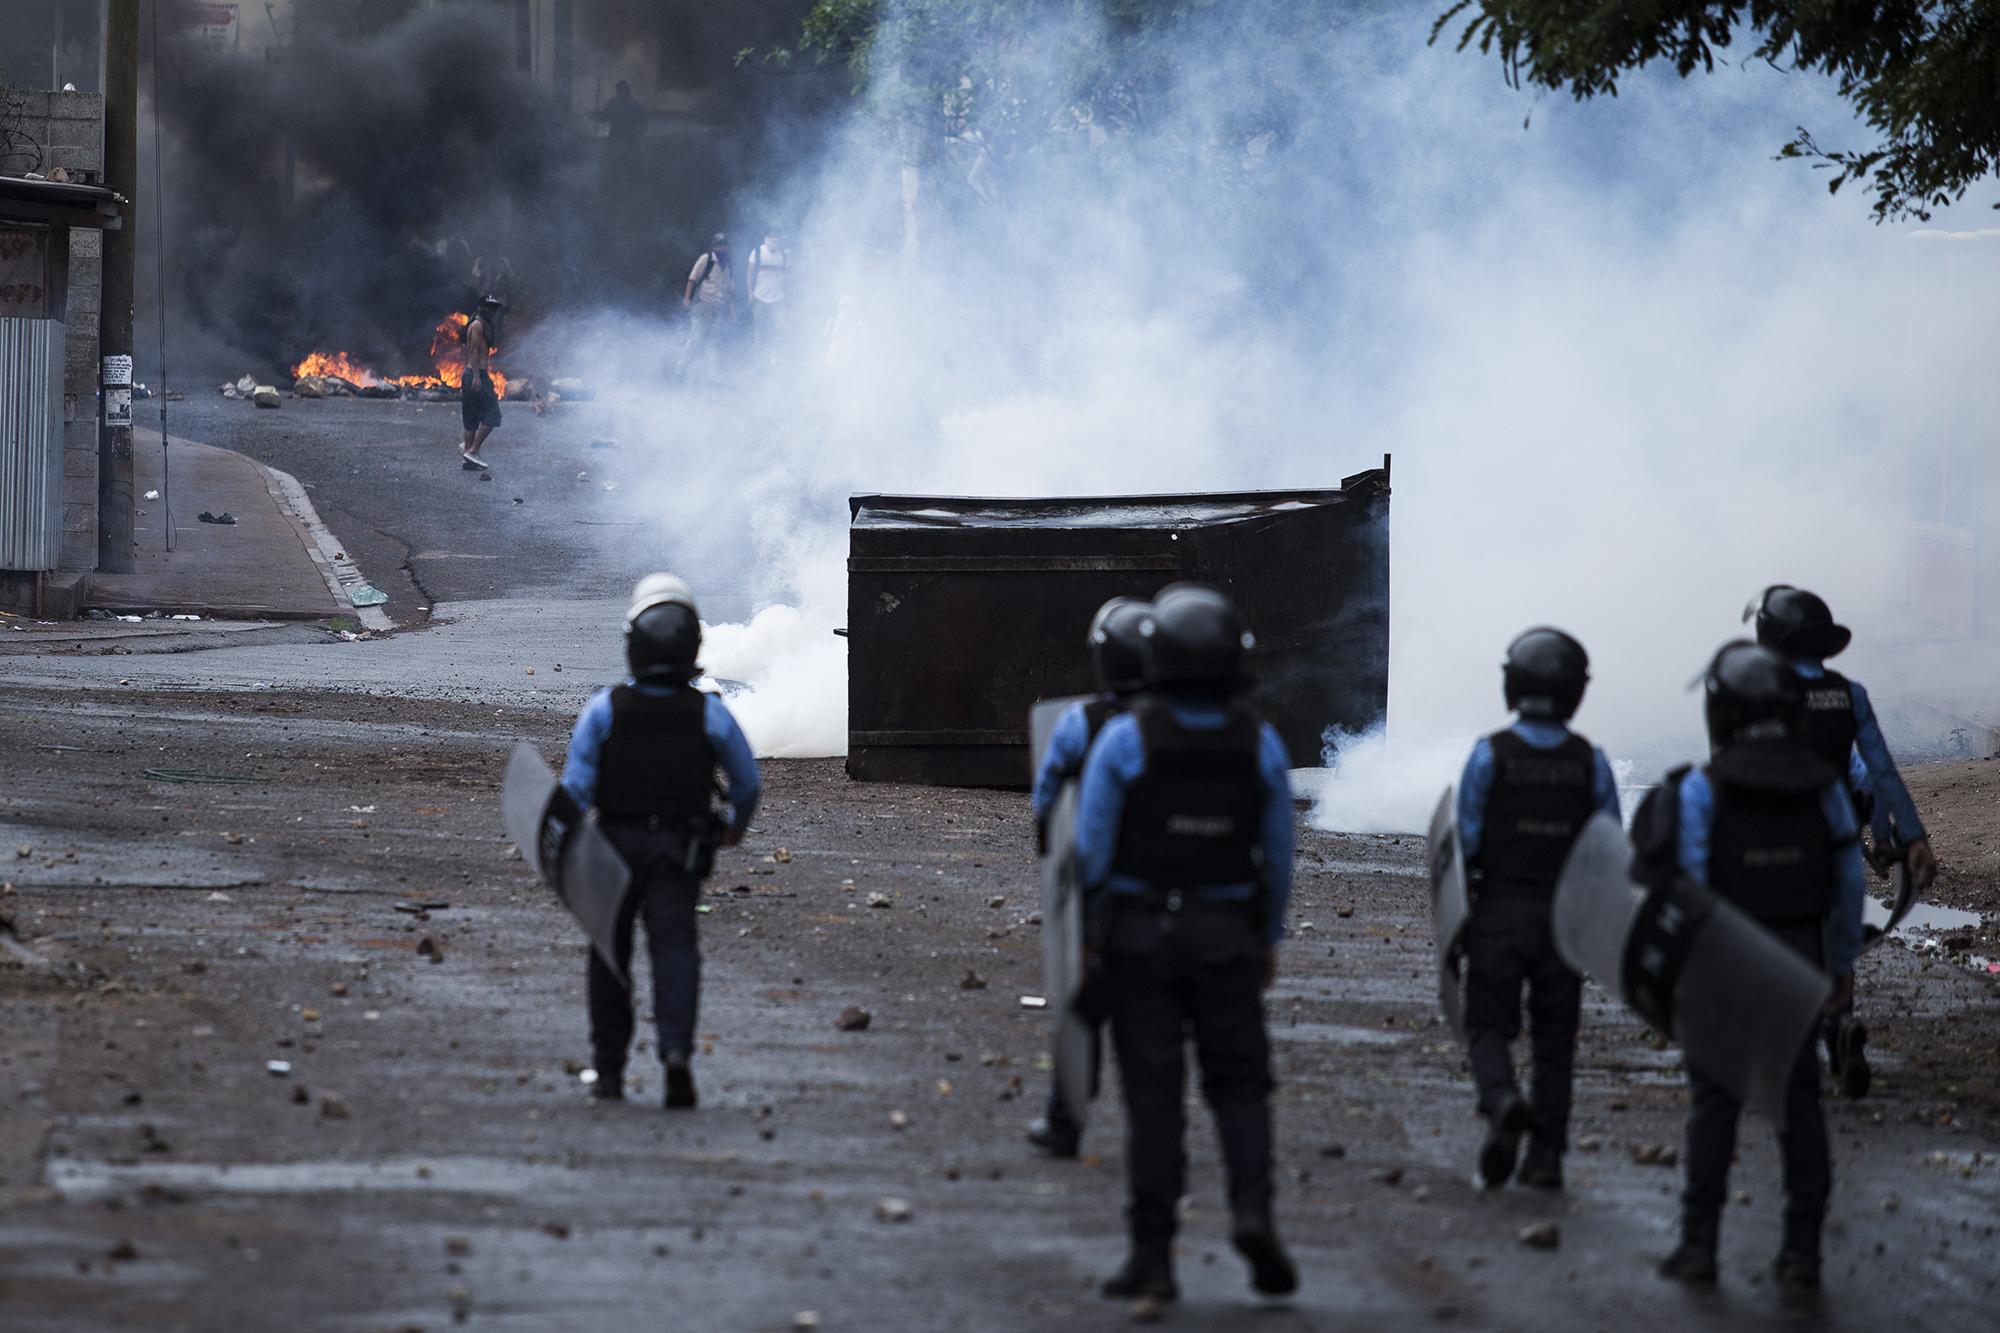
[662, 627]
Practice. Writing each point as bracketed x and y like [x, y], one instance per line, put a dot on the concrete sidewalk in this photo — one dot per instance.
[268, 565]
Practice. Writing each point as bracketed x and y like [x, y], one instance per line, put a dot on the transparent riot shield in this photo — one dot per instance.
[567, 849]
[1740, 1004]
[1075, 1040]
[1450, 905]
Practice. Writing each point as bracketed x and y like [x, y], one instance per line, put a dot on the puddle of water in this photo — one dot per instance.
[1338, 1035]
[81, 1179]
[1925, 918]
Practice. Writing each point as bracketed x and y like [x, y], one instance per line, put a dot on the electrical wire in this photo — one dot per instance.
[160, 278]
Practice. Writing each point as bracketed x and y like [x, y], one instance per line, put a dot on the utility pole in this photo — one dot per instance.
[114, 329]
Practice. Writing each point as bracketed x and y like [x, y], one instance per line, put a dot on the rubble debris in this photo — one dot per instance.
[971, 981]
[1655, 1154]
[246, 386]
[571, 388]
[152, 495]
[879, 899]
[899, 1120]
[418, 909]
[224, 519]
[893, 1210]
[150, 1140]
[560, 1230]
[123, 1252]
[458, 1247]
[309, 386]
[429, 948]
[1541, 1235]
[806, 1319]
[332, 1106]
[300, 1095]
[278, 1068]
[265, 395]
[1387, 1175]
[853, 1019]
[997, 900]
[1034, 1002]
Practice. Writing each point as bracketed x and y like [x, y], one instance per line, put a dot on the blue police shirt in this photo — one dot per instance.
[1118, 759]
[1697, 825]
[1475, 784]
[732, 751]
[1069, 742]
[1891, 796]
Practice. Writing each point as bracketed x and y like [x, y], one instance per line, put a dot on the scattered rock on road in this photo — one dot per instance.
[1541, 1235]
[971, 981]
[853, 1020]
[893, 1210]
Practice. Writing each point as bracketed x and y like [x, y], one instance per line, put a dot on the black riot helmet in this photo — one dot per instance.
[662, 629]
[1796, 623]
[1544, 674]
[1750, 693]
[1193, 641]
[1116, 646]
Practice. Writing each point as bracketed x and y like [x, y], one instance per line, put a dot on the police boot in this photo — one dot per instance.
[1693, 1260]
[1852, 1061]
[1054, 1139]
[1543, 1167]
[1505, 1125]
[680, 1084]
[1255, 1237]
[1148, 1274]
[608, 1086]
[1797, 1266]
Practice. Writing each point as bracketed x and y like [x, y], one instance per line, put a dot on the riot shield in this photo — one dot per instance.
[567, 849]
[1075, 1040]
[1738, 1001]
[1877, 921]
[1450, 906]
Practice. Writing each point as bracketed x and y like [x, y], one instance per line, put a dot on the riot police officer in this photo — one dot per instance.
[1184, 837]
[1769, 825]
[1838, 724]
[645, 753]
[1115, 654]
[1524, 795]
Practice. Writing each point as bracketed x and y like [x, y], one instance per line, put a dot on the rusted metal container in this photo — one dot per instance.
[962, 612]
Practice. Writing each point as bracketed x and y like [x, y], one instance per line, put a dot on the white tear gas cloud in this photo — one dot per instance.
[1631, 369]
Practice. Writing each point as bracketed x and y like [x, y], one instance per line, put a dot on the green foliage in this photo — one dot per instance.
[1923, 74]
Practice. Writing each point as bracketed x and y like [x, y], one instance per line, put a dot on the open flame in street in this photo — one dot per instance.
[447, 359]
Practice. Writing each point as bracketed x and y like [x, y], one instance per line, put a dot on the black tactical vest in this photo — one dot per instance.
[1827, 726]
[1192, 817]
[1539, 801]
[1771, 851]
[658, 759]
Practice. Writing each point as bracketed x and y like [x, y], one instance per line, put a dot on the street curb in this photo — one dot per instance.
[342, 575]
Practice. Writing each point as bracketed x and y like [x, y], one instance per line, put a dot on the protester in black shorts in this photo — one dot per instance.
[479, 405]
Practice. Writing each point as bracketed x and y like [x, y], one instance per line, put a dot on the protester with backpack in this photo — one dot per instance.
[710, 300]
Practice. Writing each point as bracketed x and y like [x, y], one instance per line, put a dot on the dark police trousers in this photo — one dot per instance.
[1712, 1116]
[664, 896]
[1169, 976]
[1509, 943]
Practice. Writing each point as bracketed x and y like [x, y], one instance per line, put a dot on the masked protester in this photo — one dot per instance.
[1184, 840]
[1767, 824]
[1838, 724]
[1525, 794]
[1115, 653]
[645, 753]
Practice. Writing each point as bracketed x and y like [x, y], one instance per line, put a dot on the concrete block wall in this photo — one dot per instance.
[69, 129]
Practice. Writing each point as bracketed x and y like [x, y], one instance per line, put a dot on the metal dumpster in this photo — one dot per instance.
[961, 612]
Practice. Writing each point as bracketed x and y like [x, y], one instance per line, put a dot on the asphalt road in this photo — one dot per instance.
[429, 1157]
[579, 502]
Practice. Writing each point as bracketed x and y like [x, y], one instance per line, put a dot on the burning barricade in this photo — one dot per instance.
[336, 374]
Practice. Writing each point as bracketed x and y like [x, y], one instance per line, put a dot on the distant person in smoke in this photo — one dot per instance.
[479, 404]
[624, 117]
[710, 300]
[767, 292]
